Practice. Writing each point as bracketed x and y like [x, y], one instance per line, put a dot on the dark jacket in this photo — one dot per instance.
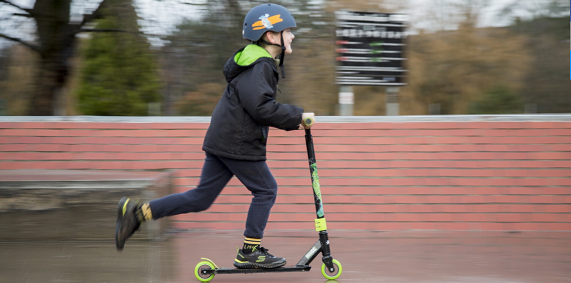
[240, 122]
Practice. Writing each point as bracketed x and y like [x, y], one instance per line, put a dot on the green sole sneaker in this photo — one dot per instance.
[258, 259]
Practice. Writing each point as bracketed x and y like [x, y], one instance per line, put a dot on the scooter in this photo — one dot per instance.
[331, 268]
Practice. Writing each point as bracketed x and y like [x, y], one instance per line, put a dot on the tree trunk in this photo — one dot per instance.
[49, 82]
[57, 44]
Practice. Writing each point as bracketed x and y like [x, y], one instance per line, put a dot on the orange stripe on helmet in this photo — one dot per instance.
[273, 19]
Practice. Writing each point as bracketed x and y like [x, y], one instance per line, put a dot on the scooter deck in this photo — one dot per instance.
[224, 270]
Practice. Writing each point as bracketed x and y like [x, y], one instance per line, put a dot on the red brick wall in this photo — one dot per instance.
[470, 175]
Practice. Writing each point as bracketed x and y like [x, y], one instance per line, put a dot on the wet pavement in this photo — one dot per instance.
[366, 256]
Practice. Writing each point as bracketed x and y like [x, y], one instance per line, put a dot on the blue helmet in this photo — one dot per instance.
[266, 17]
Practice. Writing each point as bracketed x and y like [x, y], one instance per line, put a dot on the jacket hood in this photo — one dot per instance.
[243, 59]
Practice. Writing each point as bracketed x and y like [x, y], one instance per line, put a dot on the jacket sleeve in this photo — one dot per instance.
[257, 96]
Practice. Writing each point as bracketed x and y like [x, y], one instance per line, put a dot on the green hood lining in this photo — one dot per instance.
[250, 54]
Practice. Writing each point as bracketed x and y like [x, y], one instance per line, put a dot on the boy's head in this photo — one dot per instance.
[269, 25]
[264, 18]
[264, 23]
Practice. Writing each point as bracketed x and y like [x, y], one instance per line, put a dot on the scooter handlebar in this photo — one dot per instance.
[307, 120]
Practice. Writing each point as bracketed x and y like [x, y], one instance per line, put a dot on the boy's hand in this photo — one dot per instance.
[307, 120]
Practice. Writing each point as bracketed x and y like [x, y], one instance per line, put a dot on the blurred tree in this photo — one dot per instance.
[55, 44]
[498, 100]
[202, 101]
[194, 56]
[3, 74]
[4, 59]
[545, 25]
[119, 75]
[455, 68]
[547, 83]
[384, 6]
[55, 25]
[16, 73]
[534, 9]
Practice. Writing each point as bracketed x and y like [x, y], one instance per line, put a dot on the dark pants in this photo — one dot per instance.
[216, 173]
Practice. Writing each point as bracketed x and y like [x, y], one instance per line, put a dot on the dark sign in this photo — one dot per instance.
[370, 48]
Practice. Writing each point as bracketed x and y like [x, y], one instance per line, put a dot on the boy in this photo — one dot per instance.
[235, 143]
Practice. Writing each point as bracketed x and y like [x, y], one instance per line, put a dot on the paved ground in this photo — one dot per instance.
[466, 257]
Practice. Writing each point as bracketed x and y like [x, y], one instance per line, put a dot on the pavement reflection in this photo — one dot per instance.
[466, 257]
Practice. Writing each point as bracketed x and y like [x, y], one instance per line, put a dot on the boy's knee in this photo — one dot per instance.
[266, 195]
[270, 194]
[273, 189]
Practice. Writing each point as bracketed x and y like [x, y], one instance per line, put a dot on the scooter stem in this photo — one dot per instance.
[314, 176]
[320, 224]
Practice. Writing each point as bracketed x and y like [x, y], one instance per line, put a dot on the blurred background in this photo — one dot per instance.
[165, 58]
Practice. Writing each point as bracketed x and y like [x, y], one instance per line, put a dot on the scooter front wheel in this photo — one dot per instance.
[199, 271]
[332, 274]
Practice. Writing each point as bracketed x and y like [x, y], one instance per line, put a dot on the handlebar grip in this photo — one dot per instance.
[308, 121]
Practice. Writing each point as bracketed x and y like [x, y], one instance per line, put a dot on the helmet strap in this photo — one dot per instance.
[282, 57]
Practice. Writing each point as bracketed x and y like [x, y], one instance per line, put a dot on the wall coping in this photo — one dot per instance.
[321, 119]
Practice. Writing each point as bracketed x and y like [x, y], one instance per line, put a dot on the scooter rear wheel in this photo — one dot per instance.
[335, 273]
[200, 275]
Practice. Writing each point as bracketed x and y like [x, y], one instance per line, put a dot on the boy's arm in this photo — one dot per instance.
[256, 96]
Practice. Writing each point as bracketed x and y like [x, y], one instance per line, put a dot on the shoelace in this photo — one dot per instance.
[265, 251]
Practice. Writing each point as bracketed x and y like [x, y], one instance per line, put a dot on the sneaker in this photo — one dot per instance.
[258, 259]
[127, 222]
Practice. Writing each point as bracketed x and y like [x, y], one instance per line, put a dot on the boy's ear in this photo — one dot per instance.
[268, 36]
